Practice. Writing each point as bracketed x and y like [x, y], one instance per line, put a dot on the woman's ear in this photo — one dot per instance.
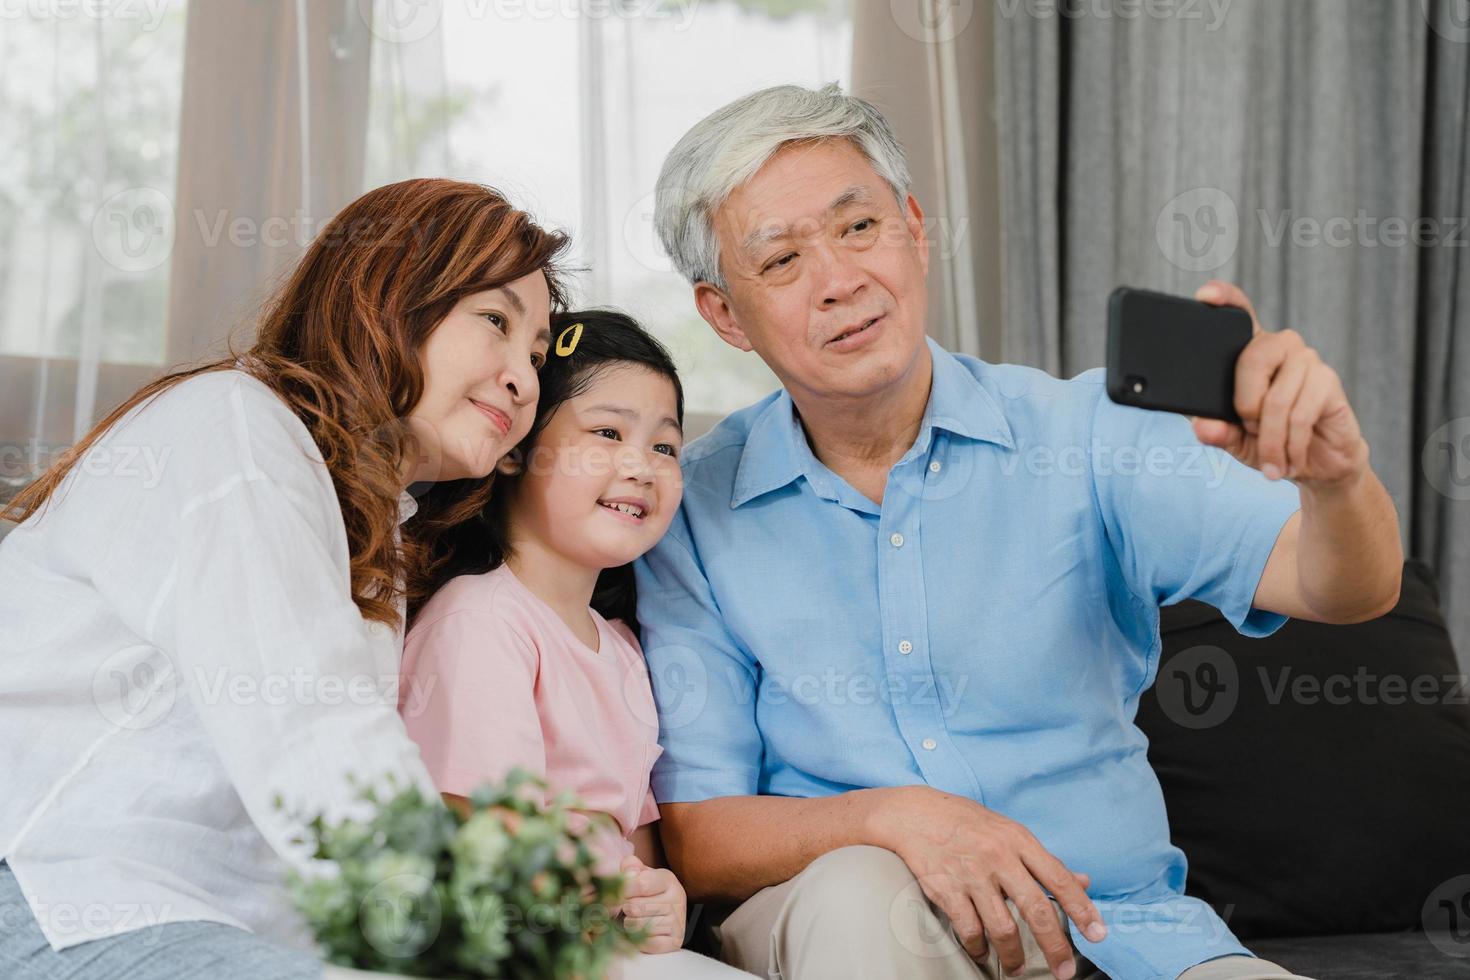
[511, 464]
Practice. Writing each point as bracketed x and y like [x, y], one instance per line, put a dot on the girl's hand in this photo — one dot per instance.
[655, 903]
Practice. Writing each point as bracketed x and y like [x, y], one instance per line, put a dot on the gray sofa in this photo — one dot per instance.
[1323, 796]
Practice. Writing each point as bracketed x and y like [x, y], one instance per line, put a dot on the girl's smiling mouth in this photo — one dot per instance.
[627, 508]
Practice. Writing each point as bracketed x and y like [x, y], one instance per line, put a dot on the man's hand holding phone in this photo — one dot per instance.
[1295, 418]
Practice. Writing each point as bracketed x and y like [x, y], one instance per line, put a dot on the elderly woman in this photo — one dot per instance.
[178, 655]
[898, 655]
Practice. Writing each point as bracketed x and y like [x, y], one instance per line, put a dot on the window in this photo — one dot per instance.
[89, 116]
[570, 115]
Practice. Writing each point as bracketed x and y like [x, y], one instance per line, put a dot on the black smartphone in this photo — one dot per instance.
[1174, 354]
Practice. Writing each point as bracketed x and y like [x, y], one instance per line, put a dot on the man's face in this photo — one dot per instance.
[813, 248]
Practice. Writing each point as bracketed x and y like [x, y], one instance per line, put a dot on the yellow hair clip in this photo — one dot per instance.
[564, 349]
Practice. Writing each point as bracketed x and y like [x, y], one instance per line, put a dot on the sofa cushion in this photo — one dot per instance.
[1318, 780]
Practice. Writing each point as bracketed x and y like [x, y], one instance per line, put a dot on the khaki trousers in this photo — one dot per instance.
[858, 912]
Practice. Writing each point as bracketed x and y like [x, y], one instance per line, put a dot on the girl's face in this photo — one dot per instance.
[480, 383]
[602, 482]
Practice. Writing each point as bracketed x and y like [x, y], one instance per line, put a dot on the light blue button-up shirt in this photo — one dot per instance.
[987, 630]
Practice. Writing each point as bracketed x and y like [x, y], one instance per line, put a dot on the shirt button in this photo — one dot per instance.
[930, 744]
[896, 540]
[934, 466]
[904, 646]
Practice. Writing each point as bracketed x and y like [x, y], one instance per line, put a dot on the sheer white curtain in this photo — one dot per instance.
[89, 99]
[163, 165]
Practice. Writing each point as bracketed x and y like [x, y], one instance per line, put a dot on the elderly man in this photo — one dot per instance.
[899, 628]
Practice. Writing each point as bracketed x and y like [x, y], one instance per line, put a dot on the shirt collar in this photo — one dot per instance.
[776, 451]
[407, 507]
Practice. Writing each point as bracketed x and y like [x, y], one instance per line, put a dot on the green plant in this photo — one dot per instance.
[510, 891]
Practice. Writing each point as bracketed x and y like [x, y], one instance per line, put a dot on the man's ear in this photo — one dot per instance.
[714, 306]
[914, 218]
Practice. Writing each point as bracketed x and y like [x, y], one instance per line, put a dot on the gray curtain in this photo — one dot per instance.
[1313, 151]
[928, 66]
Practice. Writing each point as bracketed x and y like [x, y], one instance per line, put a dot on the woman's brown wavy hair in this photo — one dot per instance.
[340, 343]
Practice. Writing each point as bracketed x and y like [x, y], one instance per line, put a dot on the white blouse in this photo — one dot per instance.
[178, 646]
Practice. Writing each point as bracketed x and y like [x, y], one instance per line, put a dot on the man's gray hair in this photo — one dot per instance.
[727, 147]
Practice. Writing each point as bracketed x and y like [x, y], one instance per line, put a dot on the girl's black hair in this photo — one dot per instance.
[609, 339]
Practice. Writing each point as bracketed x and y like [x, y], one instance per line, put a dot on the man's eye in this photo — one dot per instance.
[867, 224]
[667, 449]
[782, 261]
[607, 433]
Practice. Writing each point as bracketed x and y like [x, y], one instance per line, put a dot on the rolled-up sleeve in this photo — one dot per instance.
[704, 683]
[1185, 520]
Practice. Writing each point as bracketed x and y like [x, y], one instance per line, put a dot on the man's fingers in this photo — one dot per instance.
[965, 921]
[1276, 408]
[1256, 367]
[1218, 292]
[1039, 914]
[1218, 432]
[1001, 930]
[1304, 415]
[1056, 878]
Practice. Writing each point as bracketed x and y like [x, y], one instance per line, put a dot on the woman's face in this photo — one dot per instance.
[602, 482]
[480, 383]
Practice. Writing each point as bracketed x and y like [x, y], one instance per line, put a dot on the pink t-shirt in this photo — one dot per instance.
[493, 679]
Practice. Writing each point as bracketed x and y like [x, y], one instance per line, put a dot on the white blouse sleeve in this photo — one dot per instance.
[276, 660]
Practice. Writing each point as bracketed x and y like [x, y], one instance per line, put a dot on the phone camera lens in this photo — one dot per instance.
[1135, 384]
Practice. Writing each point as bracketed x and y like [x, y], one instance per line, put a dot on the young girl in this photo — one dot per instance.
[524, 657]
